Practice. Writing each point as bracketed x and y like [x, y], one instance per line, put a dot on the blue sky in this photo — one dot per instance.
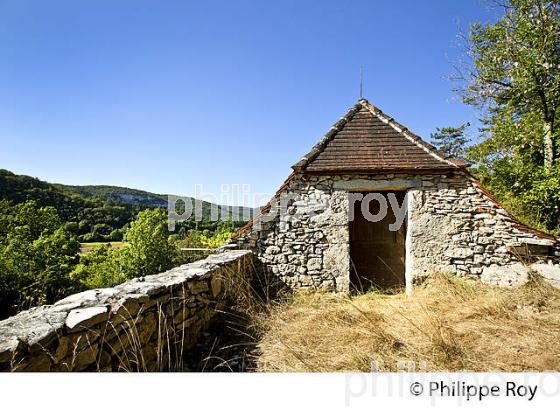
[164, 95]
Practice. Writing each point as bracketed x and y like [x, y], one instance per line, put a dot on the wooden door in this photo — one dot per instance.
[377, 254]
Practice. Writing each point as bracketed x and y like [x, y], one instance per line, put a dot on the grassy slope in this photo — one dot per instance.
[448, 324]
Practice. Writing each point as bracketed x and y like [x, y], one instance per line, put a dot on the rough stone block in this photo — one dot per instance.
[79, 319]
[216, 285]
[549, 272]
[314, 264]
[505, 276]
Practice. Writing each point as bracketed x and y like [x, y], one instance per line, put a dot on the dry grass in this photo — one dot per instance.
[447, 324]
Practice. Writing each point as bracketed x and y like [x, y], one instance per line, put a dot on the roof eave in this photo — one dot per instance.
[377, 171]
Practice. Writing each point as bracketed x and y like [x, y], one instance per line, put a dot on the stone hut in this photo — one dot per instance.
[314, 232]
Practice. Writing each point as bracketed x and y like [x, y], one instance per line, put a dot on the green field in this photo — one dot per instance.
[86, 247]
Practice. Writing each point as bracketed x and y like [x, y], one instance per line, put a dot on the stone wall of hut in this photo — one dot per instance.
[453, 225]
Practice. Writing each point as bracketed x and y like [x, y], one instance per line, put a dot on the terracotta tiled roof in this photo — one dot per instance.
[367, 140]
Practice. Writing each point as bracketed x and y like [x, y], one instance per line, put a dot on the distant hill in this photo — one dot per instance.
[138, 197]
[96, 212]
[117, 194]
[20, 188]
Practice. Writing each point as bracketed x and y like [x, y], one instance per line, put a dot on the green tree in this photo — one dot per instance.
[37, 255]
[103, 267]
[217, 239]
[516, 67]
[150, 249]
[514, 78]
[451, 140]
[55, 257]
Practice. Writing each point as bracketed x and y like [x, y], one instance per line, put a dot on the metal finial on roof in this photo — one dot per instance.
[361, 81]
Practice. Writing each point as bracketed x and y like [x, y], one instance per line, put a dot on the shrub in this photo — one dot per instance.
[37, 255]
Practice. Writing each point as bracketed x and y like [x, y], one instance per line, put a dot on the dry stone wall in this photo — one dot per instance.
[452, 225]
[145, 324]
[307, 246]
[455, 227]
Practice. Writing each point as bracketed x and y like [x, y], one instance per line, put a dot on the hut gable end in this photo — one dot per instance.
[365, 140]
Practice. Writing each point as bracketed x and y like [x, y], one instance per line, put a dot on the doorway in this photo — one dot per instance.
[377, 252]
